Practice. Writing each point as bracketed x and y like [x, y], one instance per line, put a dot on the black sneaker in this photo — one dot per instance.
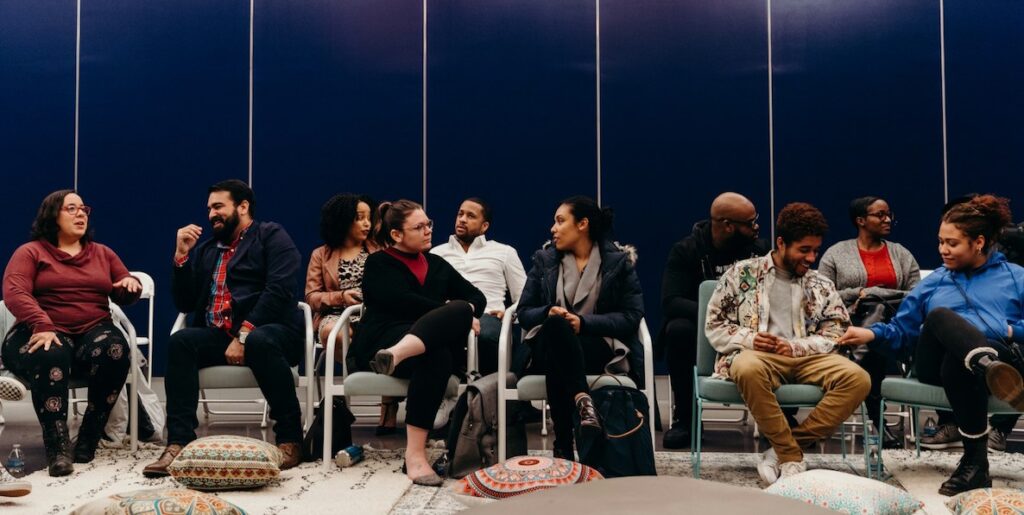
[946, 436]
[678, 437]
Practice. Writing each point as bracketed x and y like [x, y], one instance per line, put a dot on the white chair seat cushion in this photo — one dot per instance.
[534, 388]
[226, 376]
[370, 383]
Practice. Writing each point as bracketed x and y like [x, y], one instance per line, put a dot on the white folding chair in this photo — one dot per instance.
[7, 322]
[231, 376]
[148, 295]
[366, 383]
[534, 387]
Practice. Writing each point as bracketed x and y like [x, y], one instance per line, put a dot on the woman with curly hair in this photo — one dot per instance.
[963, 323]
[57, 286]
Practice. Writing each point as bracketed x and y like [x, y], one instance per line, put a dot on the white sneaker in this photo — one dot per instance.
[768, 468]
[11, 486]
[792, 468]
[11, 389]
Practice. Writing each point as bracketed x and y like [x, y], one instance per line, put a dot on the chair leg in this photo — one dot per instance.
[266, 415]
[915, 415]
[696, 442]
[206, 406]
[544, 419]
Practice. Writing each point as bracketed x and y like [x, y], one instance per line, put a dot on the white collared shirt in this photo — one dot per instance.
[491, 266]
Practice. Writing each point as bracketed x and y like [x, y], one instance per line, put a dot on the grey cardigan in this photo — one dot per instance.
[841, 263]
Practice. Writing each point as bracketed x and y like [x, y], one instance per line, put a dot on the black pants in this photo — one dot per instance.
[101, 355]
[270, 351]
[1003, 422]
[565, 359]
[946, 339]
[443, 331]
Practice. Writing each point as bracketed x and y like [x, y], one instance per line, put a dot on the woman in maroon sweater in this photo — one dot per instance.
[57, 286]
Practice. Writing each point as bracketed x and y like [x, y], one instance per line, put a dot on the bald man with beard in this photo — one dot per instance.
[728, 236]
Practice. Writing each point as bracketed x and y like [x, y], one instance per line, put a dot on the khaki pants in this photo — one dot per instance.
[758, 374]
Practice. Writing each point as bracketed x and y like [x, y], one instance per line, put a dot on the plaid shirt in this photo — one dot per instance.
[219, 311]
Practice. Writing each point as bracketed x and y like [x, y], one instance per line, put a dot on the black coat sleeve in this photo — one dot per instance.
[184, 288]
[676, 284]
[533, 307]
[283, 264]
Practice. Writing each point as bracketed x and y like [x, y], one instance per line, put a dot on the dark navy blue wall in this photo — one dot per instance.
[684, 117]
[37, 110]
[337, 106]
[985, 103]
[858, 111]
[511, 112]
[511, 96]
[164, 111]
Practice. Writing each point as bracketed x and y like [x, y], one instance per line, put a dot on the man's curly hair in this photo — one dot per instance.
[799, 220]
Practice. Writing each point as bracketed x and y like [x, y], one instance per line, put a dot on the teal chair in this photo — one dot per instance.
[719, 391]
[908, 391]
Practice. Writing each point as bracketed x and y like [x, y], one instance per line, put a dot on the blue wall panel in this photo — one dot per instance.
[684, 92]
[511, 116]
[164, 114]
[984, 99]
[858, 111]
[337, 106]
[37, 110]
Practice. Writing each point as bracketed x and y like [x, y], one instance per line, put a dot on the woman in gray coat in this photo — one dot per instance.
[871, 265]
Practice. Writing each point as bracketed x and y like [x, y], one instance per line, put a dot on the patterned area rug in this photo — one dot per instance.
[922, 476]
[372, 487]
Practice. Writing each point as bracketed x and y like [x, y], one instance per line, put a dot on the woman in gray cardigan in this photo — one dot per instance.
[871, 265]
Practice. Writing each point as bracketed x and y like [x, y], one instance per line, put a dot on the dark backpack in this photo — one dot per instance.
[341, 427]
[626, 448]
[473, 435]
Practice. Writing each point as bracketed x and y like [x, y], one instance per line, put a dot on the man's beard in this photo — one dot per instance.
[226, 233]
[467, 238]
[739, 241]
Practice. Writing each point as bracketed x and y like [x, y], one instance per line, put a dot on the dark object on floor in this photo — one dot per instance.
[625, 447]
[313, 443]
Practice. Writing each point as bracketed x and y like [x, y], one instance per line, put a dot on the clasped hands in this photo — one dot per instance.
[573, 318]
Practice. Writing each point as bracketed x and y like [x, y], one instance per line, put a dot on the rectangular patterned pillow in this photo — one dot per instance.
[226, 463]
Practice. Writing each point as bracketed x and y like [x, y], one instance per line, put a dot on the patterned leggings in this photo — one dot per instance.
[100, 355]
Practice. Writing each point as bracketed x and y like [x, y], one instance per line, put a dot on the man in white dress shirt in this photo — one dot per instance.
[493, 267]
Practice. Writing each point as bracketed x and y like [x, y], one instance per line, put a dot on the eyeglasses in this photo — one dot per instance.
[882, 215]
[423, 227]
[73, 210]
[747, 223]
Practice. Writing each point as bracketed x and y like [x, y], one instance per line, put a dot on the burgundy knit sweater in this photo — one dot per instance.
[50, 290]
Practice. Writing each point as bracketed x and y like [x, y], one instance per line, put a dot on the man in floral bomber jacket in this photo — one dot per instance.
[775, 321]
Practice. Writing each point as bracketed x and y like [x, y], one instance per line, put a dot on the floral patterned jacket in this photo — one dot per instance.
[739, 309]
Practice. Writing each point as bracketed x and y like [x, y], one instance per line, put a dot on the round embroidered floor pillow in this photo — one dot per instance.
[159, 501]
[226, 463]
[521, 475]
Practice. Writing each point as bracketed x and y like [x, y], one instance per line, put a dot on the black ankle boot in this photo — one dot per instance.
[590, 423]
[972, 472]
[1002, 378]
[89, 435]
[58, 448]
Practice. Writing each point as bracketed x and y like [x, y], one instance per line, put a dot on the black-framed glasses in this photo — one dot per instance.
[422, 227]
[752, 223]
[73, 210]
[882, 215]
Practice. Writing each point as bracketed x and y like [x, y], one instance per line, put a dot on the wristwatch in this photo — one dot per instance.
[242, 335]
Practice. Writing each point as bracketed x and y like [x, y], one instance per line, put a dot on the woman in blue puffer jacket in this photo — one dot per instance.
[963, 322]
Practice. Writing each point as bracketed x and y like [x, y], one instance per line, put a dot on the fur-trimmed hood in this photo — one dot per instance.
[629, 250]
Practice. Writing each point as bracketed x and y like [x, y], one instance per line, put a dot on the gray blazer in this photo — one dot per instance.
[841, 263]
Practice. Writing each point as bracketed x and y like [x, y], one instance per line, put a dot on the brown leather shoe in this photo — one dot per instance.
[159, 467]
[292, 454]
[590, 421]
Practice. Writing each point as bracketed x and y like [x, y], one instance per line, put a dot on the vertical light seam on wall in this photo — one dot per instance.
[771, 125]
[78, 64]
[423, 121]
[942, 69]
[597, 59]
[252, 12]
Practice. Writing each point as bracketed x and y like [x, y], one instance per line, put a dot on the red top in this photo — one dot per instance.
[50, 290]
[879, 268]
[417, 262]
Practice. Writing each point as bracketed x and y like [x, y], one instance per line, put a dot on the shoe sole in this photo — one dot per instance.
[383, 363]
[940, 446]
[1004, 382]
[155, 474]
[18, 491]
[12, 389]
[950, 492]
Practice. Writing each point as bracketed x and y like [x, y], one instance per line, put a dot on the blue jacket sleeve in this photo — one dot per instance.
[897, 336]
